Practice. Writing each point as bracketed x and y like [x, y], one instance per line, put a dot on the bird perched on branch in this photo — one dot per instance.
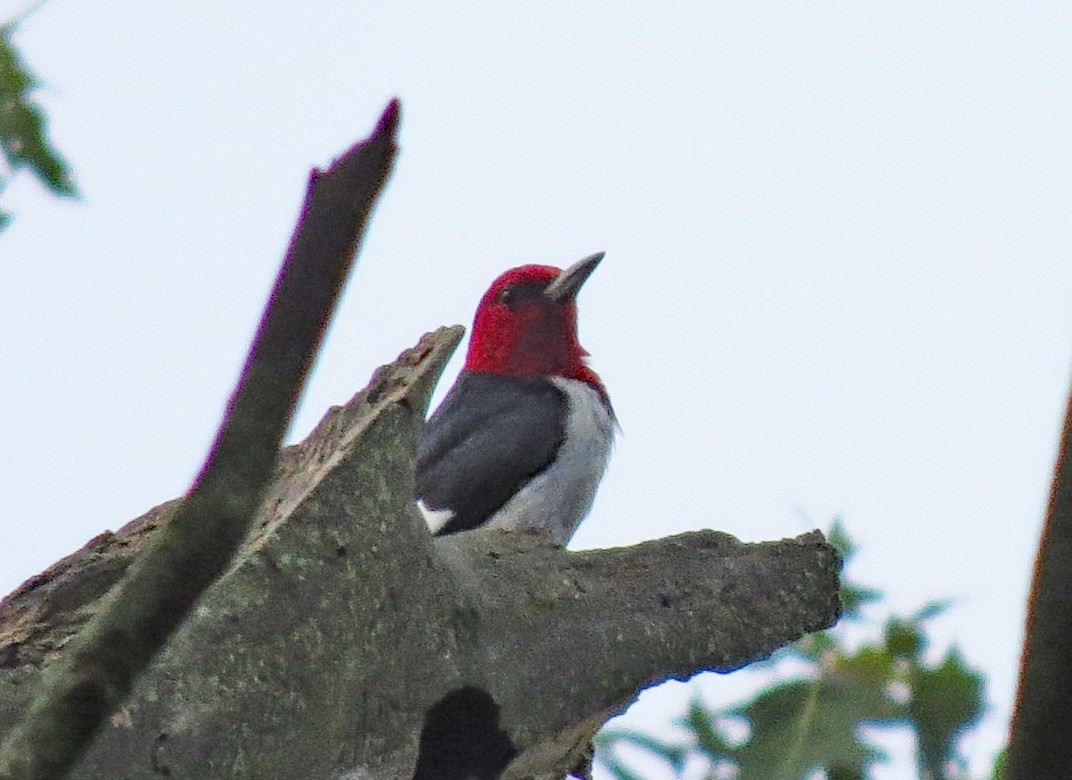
[523, 437]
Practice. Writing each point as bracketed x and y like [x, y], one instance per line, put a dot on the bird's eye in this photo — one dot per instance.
[519, 294]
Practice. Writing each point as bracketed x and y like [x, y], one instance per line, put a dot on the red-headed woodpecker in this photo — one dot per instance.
[523, 437]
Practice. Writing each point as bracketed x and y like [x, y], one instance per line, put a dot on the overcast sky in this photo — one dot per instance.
[838, 274]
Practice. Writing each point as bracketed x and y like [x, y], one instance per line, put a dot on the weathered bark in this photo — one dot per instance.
[93, 677]
[345, 642]
[1039, 747]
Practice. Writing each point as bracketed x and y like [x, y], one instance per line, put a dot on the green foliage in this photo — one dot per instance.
[23, 137]
[812, 720]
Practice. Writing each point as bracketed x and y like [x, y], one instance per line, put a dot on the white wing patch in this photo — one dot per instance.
[436, 518]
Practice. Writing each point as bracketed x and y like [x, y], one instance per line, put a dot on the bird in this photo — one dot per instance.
[522, 438]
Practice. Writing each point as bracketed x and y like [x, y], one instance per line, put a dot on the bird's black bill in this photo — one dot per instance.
[567, 283]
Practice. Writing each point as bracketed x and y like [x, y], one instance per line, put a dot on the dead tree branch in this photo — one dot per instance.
[97, 673]
[345, 642]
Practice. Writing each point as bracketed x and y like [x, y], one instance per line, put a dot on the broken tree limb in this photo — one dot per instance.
[345, 642]
[94, 676]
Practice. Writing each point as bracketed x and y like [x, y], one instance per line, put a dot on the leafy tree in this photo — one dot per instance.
[23, 136]
[812, 721]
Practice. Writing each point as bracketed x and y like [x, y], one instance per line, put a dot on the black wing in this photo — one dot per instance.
[488, 438]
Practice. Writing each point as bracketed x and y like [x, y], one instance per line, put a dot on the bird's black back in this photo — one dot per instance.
[489, 437]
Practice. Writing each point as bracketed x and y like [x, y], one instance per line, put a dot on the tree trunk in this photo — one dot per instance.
[345, 642]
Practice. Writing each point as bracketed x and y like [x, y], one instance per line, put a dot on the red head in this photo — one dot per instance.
[526, 324]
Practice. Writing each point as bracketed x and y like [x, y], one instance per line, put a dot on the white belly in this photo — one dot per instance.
[557, 499]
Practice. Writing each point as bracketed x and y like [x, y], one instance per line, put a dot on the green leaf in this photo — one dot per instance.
[931, 609]
[844, 773]
[806, 724]
[904, 639]
[606, 741]
[23, 137]
[840, 540]
[709, 740]
[945, 700]
[855, 597]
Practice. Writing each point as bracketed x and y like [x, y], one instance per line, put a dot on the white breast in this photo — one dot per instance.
[556, 500]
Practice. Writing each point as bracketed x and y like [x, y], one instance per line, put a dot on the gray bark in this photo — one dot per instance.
[345, 642]
[95, 675]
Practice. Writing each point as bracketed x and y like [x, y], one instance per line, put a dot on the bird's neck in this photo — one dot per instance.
[564, 360]
[545, 346]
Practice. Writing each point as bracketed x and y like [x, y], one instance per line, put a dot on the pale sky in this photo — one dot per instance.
[837, 281]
